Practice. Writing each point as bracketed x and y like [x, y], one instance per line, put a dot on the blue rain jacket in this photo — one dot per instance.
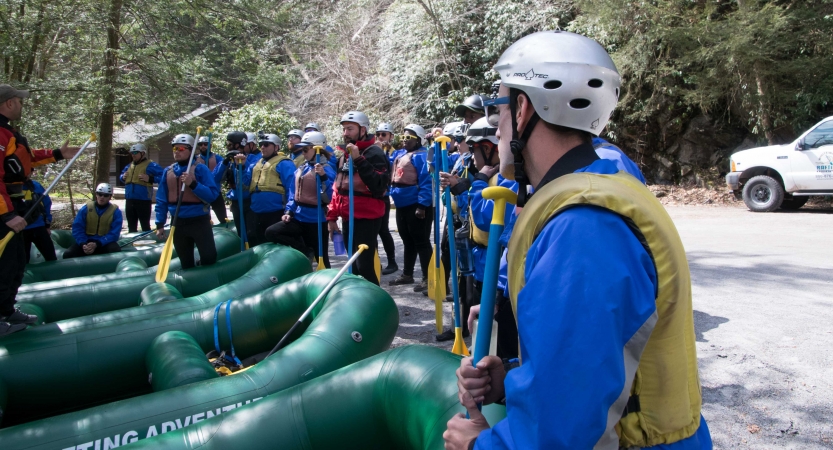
[307, 214]
[79, 226]
[420, 193]
[206, 191]
[47, 207]
[136, 191]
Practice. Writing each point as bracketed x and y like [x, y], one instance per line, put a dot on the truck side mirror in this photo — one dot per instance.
[799, 146]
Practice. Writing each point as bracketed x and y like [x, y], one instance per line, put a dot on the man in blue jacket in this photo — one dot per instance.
[138, 178]
[237, 144]
[598, 277]
[38, 231]
[193, 224]
[97, 226]
[270, 180]
[411, 192]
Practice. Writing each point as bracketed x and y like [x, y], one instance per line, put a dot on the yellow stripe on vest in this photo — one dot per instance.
[480, 237]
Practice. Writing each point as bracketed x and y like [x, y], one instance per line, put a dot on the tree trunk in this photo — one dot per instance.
[766, 118]
[105, 132]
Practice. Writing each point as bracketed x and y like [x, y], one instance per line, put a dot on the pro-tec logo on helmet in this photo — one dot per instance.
[531, 74]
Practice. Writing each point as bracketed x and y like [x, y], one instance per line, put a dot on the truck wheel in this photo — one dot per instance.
[794, 203]
[763, 194]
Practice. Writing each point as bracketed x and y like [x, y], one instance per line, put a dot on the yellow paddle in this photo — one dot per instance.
[377, 266]
[168, 250]
[436, 271]
[459, 347]
[32, 209]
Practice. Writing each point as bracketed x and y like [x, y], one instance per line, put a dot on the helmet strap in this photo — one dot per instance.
[517, 146]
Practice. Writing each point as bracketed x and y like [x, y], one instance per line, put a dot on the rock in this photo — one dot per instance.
[685, 170]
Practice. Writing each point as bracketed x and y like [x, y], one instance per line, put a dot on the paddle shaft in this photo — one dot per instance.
[194, 151]
[452, 247]
[437, 205]
[320, 297]
[318, 211]
[244, 238]
[350, 219]
[54, 182]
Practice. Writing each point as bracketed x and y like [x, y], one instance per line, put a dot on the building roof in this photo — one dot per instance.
[141, 131]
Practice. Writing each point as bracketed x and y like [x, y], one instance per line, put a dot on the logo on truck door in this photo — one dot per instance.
[824, 166]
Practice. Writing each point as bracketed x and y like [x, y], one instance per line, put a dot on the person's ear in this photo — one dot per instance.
[523, 112]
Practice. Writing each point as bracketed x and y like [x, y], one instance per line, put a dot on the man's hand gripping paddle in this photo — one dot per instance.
[501, 197]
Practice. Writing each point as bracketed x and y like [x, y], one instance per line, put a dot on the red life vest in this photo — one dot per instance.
[174, 185]
[404, 172]
[305, 189]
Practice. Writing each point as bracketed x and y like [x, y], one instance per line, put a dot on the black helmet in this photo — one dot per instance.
[237, 137]
[472, 103]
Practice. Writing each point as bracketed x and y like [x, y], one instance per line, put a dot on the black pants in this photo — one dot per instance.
[416, 237]
[219, 207]
[262, 221]
[384, 234]
[75, 250]
[42, 239]
[235, 214]
[12, 266]
[137, 211]
[301, 236]
[195, 231]
[366, 232]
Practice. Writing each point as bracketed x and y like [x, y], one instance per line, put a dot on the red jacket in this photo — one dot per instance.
[371, 180]
[15, 152]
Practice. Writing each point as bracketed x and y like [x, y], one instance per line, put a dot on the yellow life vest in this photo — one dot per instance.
[480, 237]
[133, 172]
[99, 225]
[666, 384]
[299, 160]
[264, 176]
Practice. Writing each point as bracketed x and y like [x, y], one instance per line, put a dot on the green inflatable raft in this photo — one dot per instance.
[62, 240]
[226, 241]
[97, 364]
[400, 399]
[53, 301]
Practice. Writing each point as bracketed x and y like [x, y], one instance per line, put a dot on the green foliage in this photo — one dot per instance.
[263, 116]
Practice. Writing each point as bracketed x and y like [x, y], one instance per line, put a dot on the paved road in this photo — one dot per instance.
[763, 286]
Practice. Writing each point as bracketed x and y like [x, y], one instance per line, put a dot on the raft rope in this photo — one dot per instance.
[222, 354]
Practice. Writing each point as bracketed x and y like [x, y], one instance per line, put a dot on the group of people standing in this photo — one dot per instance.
[594, 295]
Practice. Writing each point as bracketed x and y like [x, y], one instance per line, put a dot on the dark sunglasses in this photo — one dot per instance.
[102, 195]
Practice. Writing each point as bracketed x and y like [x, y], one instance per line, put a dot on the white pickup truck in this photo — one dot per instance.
[784, 176]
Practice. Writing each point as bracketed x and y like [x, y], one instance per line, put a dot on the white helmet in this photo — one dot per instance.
[273, 138]
[356, 117]
[104, 188]
[419, 132]
[312, 125]
[295, 132]
[250, 137]
[384, 126]
[481, 129]
[450, 128]
[570, 79]
[314, 138]
[186, 139]
[138, 148]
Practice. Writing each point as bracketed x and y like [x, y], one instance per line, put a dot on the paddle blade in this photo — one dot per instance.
[320, 264]
[377, 266]
[5, 241]
[438, 311]
[459, 347]
[165, 258]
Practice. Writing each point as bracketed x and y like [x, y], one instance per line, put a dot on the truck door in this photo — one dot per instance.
[812, 167]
